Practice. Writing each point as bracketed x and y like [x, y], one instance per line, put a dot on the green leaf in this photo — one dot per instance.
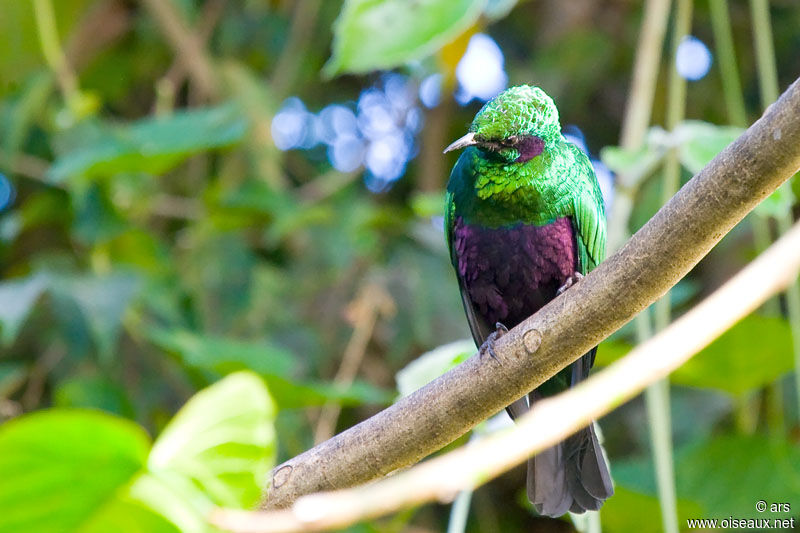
[630, 510]
[433, 364]
[756, 467]
[60, 466]
[223, 440]
[123, 514]
[93, 391]
[754, 352]
[18, 298]
[700, 142]
[223, 355]
[152, 145]
[778, 203]
[103, 301]
[497, 9]
[96, 219]
[292, 394]
[610, 350]
[383, 34]
[636, 164]
[175, 499]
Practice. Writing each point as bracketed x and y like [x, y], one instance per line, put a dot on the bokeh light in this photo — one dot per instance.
[480, 73]
[693, 59]
[7, 192]
[293, 126]
[430, 90]
[377, 133]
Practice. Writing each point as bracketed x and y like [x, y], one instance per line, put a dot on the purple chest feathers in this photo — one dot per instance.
[509, 273]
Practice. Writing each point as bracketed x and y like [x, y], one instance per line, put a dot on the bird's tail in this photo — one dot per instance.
[570, 476]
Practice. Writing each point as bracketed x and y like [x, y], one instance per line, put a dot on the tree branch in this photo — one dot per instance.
[654, 259]
[550, 420]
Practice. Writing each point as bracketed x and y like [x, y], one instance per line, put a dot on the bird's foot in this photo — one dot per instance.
[488, 344]
[572, 280]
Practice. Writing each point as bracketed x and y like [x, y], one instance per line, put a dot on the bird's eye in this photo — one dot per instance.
[512, 141]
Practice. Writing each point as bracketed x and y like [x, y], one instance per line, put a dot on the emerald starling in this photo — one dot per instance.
[524, 220]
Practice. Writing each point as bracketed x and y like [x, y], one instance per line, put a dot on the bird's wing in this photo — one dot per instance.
[589, 215]
[479, 328]
[590, 224]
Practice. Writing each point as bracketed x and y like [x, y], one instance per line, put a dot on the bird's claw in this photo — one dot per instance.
[572, 280]
[488, 344]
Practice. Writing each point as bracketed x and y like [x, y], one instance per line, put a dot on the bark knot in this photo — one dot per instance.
[532, 339]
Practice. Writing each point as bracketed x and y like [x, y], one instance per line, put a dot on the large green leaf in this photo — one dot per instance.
[382, 34]
[728, 475]
[124, 514]
[69, 470]
[59, 467]
[16, 301]
[219, 356]
[224, 355]
[432, 364]
[98, 392]
[152, 145]
[701, 141]
[754, 352]
[630, 511]
[223, 440]
[292, 394]
[103, 301]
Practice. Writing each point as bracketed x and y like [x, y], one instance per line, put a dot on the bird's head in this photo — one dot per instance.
[515, 126]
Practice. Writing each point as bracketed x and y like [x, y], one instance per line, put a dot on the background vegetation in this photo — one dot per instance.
[191, 190]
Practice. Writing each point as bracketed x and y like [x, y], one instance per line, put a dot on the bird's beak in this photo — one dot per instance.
[463, 142]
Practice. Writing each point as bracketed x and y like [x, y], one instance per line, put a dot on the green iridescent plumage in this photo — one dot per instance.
[497, 191]
[524, 213]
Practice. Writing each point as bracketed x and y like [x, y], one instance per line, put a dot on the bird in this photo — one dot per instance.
[524, 220]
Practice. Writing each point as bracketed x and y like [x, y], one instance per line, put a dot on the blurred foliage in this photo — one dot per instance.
[100, 473]
[155, 240]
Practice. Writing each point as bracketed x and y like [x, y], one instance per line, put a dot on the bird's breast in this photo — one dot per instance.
[510, 272]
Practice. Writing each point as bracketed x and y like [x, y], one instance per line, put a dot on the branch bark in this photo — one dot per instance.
[549, 421]
[654, 259]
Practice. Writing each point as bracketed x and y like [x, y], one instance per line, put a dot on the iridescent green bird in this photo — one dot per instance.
[524, 220]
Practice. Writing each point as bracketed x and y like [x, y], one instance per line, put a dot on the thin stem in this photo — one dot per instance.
[371, 303]
[768, 84]
[188, 46]
[52, 50]
[657, 397]
[762, 238]
[637, 112]
[793, 308]
[765, 52]
[300, 34]
[726, 56]
[657, 402]
[645, 73]
[459, 512]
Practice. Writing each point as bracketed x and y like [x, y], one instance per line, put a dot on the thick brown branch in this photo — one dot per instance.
[662, 252]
